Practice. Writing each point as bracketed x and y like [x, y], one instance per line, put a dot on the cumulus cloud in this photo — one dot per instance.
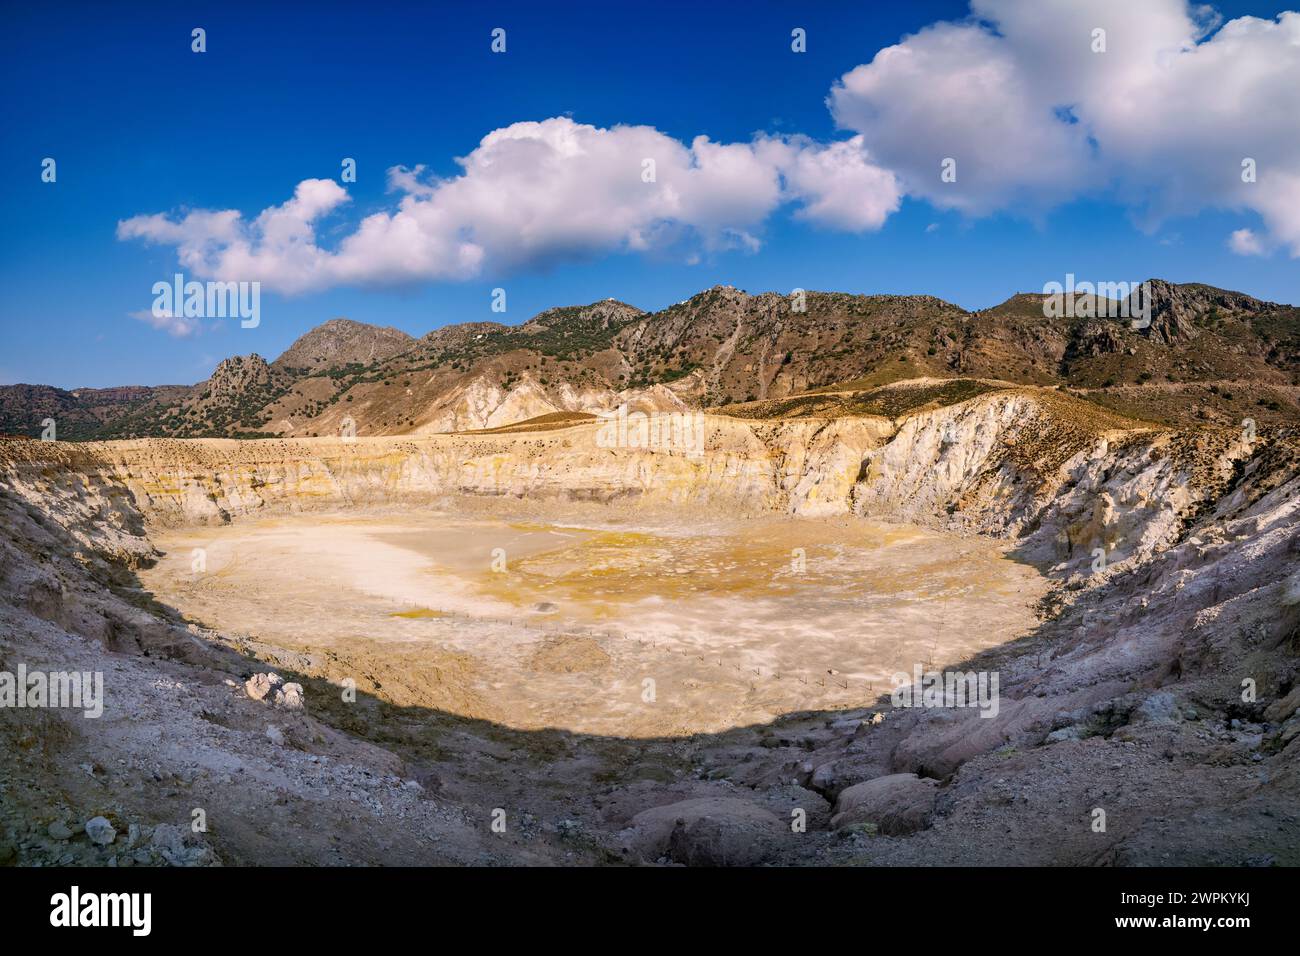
[838, 185]
[533, 193]
[956, 93]
[277, 248]
[1244, 242]
[1034, 115]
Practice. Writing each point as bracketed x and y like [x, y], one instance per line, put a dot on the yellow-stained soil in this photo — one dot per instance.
[661, 628]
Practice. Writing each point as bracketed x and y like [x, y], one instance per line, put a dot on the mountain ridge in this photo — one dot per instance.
[718, 348]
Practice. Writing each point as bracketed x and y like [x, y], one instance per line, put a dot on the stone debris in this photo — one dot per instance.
[180, 846]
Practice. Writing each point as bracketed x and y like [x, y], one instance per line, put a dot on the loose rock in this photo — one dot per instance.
[100, 831]
[59, 831]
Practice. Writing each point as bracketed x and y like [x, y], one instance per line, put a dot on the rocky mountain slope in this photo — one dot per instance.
[1207, 356]
[341, 342]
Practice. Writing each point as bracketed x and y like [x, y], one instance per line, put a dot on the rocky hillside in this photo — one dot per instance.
[231, 402]
[80, 414]
[1208, 356]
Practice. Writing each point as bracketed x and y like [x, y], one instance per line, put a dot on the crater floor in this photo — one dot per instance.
[662, 627]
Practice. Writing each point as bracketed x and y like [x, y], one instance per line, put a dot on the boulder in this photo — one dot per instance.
[897, 804]
[1073, 732]
[1160, 708]
[260, 685]
[709, 831]
[1283, 708]
[289, 697]
[100, 831]
[835, 775]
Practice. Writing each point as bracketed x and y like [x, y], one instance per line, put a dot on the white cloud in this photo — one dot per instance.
[1244, 242]
[1162, 119]
[956, 92]
[278, 248]
[532, 193]
[838, 184]
[177, 326]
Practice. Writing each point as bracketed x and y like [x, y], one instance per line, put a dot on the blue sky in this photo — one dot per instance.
[140, 125]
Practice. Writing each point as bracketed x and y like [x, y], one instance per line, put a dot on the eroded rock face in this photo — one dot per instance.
[1174, 308]
[1010, 462]
[802, 467]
